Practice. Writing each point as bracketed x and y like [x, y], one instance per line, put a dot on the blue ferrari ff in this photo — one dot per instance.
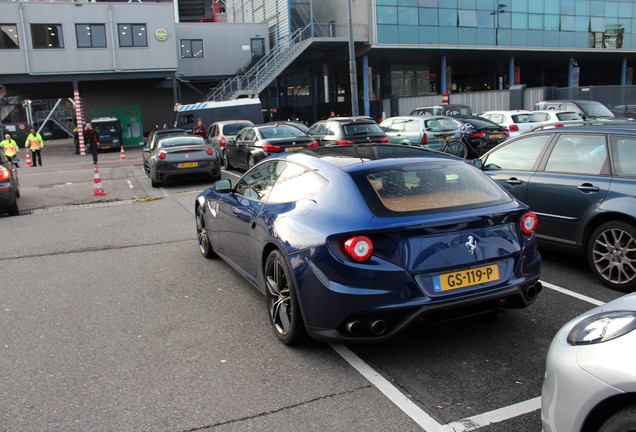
[356, 243]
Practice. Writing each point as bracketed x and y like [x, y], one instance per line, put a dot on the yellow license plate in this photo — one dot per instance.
[496, 136]
[287, 149]
[188, 164]
[466, 278]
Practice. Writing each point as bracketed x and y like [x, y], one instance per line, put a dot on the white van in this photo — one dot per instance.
[239, 109]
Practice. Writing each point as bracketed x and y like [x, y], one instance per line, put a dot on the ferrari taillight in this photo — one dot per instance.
[359, 248]
[162, 154]
[209, 151]
[4, 173]
[529, 223]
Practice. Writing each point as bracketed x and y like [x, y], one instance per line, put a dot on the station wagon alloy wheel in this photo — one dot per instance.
[282, 304]
[612, 255]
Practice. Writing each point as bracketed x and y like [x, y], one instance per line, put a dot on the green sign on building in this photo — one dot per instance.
[130, 119]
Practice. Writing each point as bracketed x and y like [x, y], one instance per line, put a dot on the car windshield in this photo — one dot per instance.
[441, 125]
[283, 131]
[596, 110]
[525, 118]
[361, 128]
[568, 116]
[106, 126]
[180, 141]
[438, 186]
[234, 128]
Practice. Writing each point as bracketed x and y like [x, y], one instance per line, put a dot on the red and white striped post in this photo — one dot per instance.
[79, 114]
[445, 98]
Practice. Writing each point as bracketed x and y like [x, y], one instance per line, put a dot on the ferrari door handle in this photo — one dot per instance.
[587, 187]
[513, 181]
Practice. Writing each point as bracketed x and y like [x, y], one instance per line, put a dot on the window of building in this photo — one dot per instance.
[535, 22]
[448, 17]
[90, 35]
[9, 36]
[387, 15]
[467, 18]
[47, 36]
[428, 3]
[191, 48]
[551, 22]
[132, 35]
[567, 23]
[428, 17]
[407, 16]
[519, 21]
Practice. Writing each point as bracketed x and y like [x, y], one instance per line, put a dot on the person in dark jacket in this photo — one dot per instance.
[199, 128]
[91, 140]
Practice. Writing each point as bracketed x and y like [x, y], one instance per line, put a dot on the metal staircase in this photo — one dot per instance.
[259, 76]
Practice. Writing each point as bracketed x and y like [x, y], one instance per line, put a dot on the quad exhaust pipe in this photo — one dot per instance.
[376, 327]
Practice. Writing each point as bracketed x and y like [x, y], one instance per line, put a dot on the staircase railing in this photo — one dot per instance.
[263, 70]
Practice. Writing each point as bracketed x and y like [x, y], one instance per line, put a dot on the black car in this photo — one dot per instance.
[110, 135]
[479, 134]
[181, 155]
[347, 130]
[581, 183]
[9, 186]
[255, 143]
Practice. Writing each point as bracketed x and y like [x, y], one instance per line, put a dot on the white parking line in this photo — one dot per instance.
[573, 294]
[422, 418]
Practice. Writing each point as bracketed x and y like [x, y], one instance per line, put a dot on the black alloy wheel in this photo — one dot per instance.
[282, 302]
[456, 148]
[147, 169]
[202, 236]
[612, 255]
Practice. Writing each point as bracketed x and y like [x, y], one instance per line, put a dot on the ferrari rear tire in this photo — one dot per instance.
[622, 421]
[612, 255]
[13, 209]
[202, 236]
[282, 301]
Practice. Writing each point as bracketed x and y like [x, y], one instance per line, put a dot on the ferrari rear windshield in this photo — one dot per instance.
[432, 187]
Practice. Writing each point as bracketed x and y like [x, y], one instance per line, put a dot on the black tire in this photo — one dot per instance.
[205, 247]
[282, 301]
[226, 161]
[251, 161]
[456, 148]
[622, 421]
[611, 254]
[13, 209]
[155, 183]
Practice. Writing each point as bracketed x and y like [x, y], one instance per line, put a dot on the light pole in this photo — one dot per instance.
[499, 11]
[353, 74]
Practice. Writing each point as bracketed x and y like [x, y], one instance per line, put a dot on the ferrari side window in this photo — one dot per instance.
[258, 182]
[296, 183]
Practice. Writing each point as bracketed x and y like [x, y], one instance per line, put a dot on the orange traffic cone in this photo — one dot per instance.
[97, 184]
[28, 161]
[123, 155]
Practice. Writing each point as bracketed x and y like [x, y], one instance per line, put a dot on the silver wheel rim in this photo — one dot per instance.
[278, 297]
[614, 256]
[202, 235]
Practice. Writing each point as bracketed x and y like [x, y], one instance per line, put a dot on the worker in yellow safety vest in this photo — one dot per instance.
[9, 148]
[35, 143]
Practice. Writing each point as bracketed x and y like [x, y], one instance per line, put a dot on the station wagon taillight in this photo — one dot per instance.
[358, 248]
[222, 142]
[423, 141]
[514, 128]
[345, 142]
[529, 223]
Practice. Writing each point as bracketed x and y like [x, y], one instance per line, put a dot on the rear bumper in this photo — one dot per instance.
[395, 321]
[167, 172]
